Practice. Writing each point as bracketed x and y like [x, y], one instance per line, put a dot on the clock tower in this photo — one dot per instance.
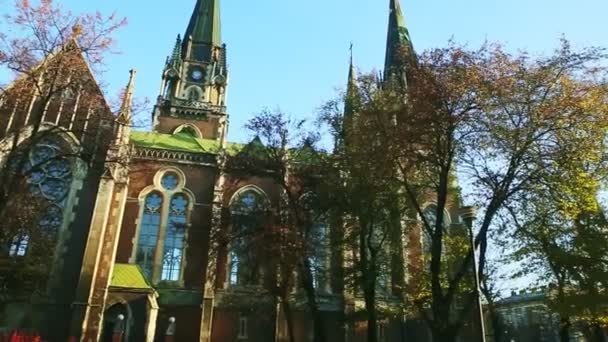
[195, 78]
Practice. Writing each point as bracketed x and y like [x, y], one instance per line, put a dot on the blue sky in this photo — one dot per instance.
[293, 54]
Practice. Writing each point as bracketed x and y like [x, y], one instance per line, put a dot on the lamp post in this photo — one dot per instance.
[468, 215]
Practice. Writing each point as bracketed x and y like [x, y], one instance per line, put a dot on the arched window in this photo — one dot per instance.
[318, 239]
[174, 238]
[194, 94]
[380, 239]
[248, 210]
[45, 171]
[319, 254]
[148, 232]
[163, 227]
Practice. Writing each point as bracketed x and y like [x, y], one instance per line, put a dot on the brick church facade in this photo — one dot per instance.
[135, 248]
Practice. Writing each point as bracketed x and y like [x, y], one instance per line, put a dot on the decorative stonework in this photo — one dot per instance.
[198, 110]
[143, 153]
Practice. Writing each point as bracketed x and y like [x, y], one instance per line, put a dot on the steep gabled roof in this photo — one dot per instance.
[127, 276]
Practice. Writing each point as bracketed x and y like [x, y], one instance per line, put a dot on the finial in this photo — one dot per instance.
[125, 108]
[131, 84]
[76, 31]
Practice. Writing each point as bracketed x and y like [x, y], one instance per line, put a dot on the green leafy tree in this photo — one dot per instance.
[497, 120]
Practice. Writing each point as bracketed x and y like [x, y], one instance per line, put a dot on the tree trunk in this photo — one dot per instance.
[599, 333]
[311, 296]
[443, 335]
[372, 316]
[564, 329]
[288, 318]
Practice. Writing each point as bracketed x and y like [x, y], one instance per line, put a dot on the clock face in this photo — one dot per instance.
[197, 75]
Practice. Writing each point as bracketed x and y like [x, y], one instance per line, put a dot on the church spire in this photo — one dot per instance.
[195, 79]
[350, 98]
[204, 26]
[176, 56]
[398, 39]
[350, 87]
[123, 120]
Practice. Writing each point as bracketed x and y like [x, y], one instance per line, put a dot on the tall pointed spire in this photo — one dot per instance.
[350, 87]
[123, 120]
[127, 100]
[176, 56]
[350, 99]
[398, 38]
[204, 26]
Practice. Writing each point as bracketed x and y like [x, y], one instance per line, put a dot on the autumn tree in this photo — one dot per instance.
[560, 230]
[285, 152]
[362, 183]
[53, 55]
[492, 120]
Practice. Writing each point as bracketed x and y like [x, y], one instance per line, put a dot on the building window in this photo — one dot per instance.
[174, 238]
[233, 276]
[169, 181]
[242, 327]
[194, 94]
[318, 259]
[47, 173]
[148, 232]
[317, 238]
[163, 227]
[248, 212]
[19, 246]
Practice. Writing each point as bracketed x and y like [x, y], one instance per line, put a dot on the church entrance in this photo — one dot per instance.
[116, 324]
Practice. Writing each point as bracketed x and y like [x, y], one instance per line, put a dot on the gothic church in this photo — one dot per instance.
[134, 246]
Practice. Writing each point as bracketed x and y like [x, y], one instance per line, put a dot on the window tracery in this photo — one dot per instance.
[318, 240]
[163, 226]
[148, 234]
[174, 238]
[48, 173]
[247, 208]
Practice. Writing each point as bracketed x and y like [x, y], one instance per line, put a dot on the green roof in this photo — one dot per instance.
[130, 277]
[204, 26]
[398, 37]
[183, 142]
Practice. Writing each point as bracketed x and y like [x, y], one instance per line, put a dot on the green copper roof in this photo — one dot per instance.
[130, 277]
[204, 26]
[183, 142]
[397, 38]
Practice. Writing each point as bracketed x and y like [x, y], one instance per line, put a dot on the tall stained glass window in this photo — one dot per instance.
[48, 171]
[163, 226]
[246, 211]
[148, 233]
[174, 238]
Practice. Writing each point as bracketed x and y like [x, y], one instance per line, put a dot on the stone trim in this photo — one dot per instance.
[144, 153]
